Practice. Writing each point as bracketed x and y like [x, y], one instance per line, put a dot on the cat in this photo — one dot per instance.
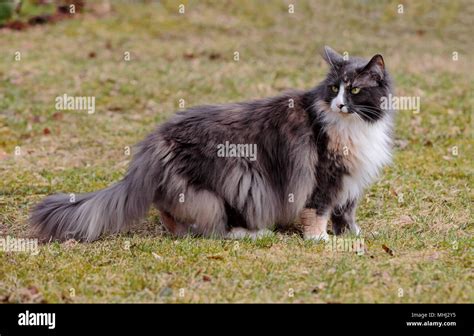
[315, 152]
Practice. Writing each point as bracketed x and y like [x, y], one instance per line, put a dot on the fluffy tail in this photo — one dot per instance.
[85, 217]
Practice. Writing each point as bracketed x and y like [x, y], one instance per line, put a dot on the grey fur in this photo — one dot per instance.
[87, 216]
[177, 169]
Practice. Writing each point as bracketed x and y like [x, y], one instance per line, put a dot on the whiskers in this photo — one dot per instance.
[366, 112]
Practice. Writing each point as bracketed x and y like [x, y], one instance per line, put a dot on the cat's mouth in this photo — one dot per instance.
[347, 112]
[344, 109]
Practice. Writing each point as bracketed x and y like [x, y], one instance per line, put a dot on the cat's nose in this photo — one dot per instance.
[343, 108]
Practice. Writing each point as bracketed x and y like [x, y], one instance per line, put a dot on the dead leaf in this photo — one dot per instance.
[67, 298]
[384, 275]
[189, 55]
[57, 116]
[33, 290]
[434, 256]
[319, 288]
[454, 130]
[405, 220]
[30, 294]
[39, 20]
[104, 263]
[420, 32]
[3, 155]
[216, 257]
[100, 8]
[70, 243]
[114, 108]
[16, 25]
[401, 143]
[156, 256]
[214, 56]
[387, 249]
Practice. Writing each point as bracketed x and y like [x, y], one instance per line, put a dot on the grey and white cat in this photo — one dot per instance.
[316, 149]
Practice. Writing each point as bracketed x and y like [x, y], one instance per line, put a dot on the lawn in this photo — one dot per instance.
[142, 60]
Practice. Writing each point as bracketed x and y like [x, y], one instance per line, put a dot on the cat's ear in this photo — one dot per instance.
[332, 57]
[375, 68]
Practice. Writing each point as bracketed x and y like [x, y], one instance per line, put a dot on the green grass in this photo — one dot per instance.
[420, 208]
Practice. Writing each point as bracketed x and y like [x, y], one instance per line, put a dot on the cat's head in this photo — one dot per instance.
[354, 87]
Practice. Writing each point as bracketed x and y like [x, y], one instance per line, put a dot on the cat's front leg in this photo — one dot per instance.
[314, 224]
[343, 218]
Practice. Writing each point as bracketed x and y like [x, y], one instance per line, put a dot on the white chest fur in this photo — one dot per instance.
[365, 148]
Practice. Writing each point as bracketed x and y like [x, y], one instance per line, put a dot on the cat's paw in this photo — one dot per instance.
[355, 229]
[347, 228]
[242, 233]
[320, 237]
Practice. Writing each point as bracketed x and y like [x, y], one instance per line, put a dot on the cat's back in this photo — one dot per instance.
[275, 115]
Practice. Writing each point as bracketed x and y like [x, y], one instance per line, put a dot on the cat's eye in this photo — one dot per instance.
[355, 90]
[334, 89]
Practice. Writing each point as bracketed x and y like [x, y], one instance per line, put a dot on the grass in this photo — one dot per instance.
[420, 208]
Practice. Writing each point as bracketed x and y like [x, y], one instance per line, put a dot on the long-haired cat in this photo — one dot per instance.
[315, 150]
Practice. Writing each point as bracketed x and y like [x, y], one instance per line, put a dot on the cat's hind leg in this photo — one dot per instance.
[242, 233]
[172, 226]
[195, 212]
